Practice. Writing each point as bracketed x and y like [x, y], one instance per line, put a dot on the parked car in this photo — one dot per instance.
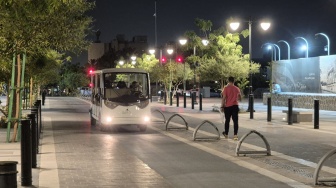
[180, 91]
[215, 93]
[188, 92]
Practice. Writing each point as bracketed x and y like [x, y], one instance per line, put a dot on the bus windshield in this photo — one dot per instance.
[125, 88]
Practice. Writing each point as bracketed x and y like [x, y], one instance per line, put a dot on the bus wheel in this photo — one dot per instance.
[93, 121]
[143, 128]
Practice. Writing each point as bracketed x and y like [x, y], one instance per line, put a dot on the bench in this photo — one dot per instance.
[300, 116]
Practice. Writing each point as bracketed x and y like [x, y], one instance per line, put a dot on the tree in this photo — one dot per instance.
[222, 57]
[35, 27]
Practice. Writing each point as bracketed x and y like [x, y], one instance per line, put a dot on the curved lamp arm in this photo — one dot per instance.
[288, 54]
[328, 42]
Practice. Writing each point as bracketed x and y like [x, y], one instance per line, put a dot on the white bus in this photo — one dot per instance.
[120, 96]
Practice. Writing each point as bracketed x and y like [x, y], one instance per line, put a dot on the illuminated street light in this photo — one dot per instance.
[328, 42]
[205, 42]
[133, 58]
[123, 62]
[303, 47]
[152, 51]
[307, 48]
[264, 26]
[183, 41]
[288, 52]
[271, 46]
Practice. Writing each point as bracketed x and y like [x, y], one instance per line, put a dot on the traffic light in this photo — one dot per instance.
[163, 60]
[179, 59]
[90, 70]
[91, 85]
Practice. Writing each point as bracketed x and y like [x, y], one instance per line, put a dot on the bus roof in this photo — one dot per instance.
[130, 70]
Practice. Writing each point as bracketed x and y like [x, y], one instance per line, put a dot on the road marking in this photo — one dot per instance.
[235, 160]
[278, 154]
[48, 168]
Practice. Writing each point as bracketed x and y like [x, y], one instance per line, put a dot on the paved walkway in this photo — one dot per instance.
[327, 127]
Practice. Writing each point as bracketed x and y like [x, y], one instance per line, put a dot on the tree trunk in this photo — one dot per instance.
[17, 98]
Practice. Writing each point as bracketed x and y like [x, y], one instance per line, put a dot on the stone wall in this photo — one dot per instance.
[302, 100]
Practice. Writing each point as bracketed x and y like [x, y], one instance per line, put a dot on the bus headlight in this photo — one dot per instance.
[146, 119]
[108, 119]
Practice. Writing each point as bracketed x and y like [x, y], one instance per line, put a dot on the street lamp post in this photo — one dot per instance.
[328, 42]
[170, 51]
[307, 48]
[205, 42]
[264, 26]
[288, 52]
[183, 42]
[152, 52]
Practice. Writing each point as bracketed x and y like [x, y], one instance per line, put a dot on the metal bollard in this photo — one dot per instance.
[26, 154]
[269, 109]
[184, 100]
[192, 100]
[251, 105]
[165, 98]
[8, 174]
[171, 98]
[39, 102]
[34, 110]
[290, 111]
[177, 99]
[316, 114]
[200, 101]
[195, 97]
[34, 139]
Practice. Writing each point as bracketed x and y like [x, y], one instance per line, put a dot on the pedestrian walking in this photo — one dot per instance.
[44, 93]
[230, 107]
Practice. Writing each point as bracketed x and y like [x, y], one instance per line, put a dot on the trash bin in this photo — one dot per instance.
[8, 174]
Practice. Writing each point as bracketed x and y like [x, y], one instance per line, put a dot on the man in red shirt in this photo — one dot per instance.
[230, 96]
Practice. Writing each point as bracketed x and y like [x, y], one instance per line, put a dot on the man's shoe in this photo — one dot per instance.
[235, 137]
[225, 135]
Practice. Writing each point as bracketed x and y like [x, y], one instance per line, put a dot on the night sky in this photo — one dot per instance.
[289, 18]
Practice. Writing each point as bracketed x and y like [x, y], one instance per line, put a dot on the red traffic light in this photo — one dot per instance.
[90, 70]
[91, 85]
[163, 59]
[179, 59]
